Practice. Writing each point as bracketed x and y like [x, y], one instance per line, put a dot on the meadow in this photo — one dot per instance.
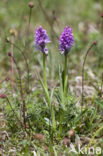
[51, 78]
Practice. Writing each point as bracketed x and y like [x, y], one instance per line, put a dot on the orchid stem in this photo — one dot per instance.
[44, 70]
[65, 74]
[25, 58]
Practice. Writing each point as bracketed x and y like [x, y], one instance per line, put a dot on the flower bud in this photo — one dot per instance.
[6, 79]
[13, 32]
[31, 4]
[102, 15]
[95, 42]
[9, 54]
[7, 40]
[3, 96]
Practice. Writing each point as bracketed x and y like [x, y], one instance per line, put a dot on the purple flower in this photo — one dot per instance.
[66, 40]
[41, 38]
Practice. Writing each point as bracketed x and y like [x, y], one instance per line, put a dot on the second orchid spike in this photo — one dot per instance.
[66, 40]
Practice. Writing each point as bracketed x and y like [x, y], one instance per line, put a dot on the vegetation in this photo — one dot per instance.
[50, 104]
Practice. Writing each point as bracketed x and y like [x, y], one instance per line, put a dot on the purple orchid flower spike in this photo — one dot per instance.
[66, 40]
[41, 38]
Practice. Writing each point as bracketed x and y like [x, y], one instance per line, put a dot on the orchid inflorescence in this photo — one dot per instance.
[65, 42]
[41, 38]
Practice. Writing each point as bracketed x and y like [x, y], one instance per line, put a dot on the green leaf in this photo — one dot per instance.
[61, 91]
[100, 103]
[53, 118]
[79, 116]
[45, 91]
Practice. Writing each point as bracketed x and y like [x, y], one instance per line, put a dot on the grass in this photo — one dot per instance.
[54, 120]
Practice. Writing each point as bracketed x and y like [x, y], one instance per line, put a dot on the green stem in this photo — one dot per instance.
[44, 70]
[65, 74]
[47, 95]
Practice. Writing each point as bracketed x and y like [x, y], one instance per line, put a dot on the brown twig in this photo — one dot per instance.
[47, 18]
[12, 64]
[94, 43]
[102, 22]
[21, 90]
[30, 5]
[21, 52]
[27, 40]
[28, 30]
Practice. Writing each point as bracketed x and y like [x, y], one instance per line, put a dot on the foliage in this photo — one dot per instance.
[44, 115]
